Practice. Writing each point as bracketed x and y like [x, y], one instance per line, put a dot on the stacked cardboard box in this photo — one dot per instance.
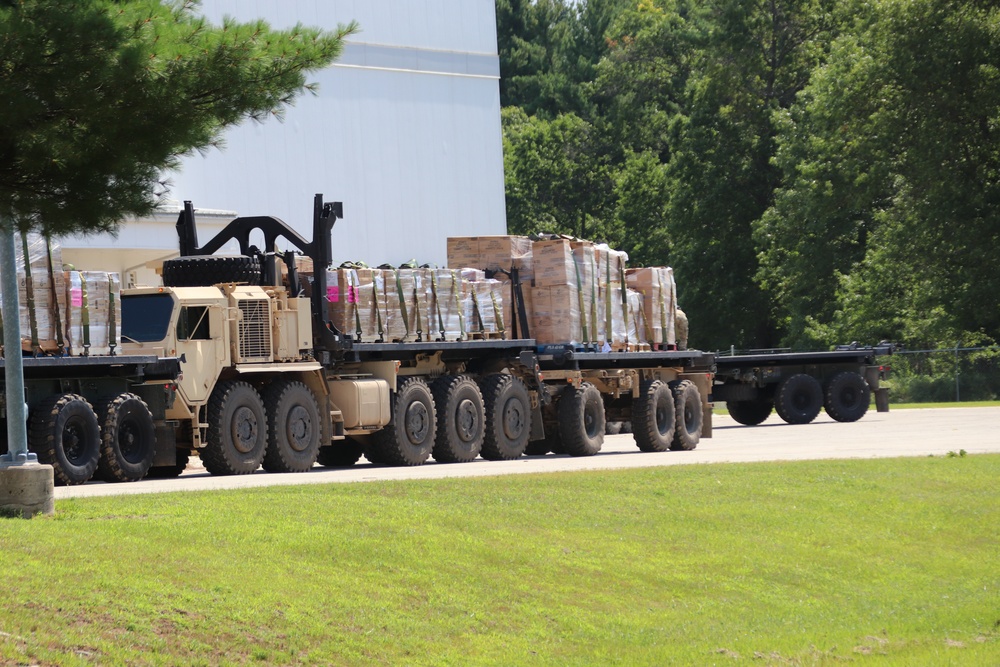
[500, 255]
[95, 312]
[659, 292]
[41, 294]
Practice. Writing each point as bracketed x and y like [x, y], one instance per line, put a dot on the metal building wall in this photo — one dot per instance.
[405, 130]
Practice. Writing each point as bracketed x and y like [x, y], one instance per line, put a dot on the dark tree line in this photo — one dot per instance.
[815, 171]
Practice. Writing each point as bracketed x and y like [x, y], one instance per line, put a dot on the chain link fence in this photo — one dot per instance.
[944, 375]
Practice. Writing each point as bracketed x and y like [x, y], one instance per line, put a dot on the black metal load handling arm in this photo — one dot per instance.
[319, 250]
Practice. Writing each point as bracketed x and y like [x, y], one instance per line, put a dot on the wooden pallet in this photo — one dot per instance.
[486, 335]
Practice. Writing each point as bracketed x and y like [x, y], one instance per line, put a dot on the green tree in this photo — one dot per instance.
[889, 224]
[556, 181]
[99, 97]
[752, 60]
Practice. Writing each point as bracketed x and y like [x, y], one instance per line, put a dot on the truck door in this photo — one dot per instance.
[201, 347]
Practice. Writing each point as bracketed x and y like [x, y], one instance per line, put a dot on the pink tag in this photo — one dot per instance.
[76, 297]
[352, 294]
[333, 293]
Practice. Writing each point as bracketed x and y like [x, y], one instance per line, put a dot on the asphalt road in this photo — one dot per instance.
[915, 432]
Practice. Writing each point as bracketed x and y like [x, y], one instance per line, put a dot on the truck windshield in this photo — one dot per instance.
[146, 317]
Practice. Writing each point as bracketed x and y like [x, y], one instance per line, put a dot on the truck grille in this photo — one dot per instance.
[255, 330]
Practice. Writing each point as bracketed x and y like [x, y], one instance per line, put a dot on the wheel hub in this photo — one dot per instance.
[467, 421]
[299, 428]
[513, 419]
[417, 423]
[244, 429]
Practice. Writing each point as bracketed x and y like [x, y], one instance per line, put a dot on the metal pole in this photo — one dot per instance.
[958, 372]
[17, 410]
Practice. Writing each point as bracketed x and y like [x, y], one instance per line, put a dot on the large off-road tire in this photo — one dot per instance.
[341, 454]
[237, 430]
[581, 420]
[201, 270]
[64, 433]
[653, 417]
[687, 415]
[508, 417]
[460, 419]
[847, 397]
[128, 439]
[750, 412]
[171, 472]
[407, 440]
[798, 399]
[294, 427]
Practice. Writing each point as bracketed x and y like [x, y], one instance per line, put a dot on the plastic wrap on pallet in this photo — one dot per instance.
[41, 294]
[405, 304]
[445, 315]
[354, 297]
[493, 253]
[95, 312]
[484, 307]
[636, 324]
[614, 329]
[659, 301]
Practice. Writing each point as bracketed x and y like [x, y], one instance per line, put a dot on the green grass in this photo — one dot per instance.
[885, 562]
[953, 404]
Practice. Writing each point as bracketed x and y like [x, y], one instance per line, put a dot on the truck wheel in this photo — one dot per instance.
[612, 428]
[460, 419]
[128, 439]
[63, 432]
[847, 397]
[341, 454]
[409, 438]
[687, 412]
[237, 430]
[201, 270]
[581, 420]
[294, 427]
[508, 417]
[751, 412]
[653, 417]
[798, 399]
[171, 472]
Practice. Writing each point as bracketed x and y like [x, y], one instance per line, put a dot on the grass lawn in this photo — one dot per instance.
[882, 562]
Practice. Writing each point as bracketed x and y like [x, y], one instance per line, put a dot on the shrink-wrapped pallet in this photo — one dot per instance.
[95, 312]
[41, 294]
[636, 319]
[445, 314]
[659, 301]
[405, 304]
[484, 307]
[355, 296]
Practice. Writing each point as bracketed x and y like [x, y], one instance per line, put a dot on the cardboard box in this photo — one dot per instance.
[463, 251]
[659, 292]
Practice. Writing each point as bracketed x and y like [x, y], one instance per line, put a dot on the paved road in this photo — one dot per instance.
[899, 433]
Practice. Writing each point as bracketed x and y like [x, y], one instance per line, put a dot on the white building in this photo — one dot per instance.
[405, 130]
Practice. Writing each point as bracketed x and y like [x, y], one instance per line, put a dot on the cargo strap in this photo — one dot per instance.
[29, 290]
[112, 322]
[456, 281]
[624, 289]
[498, 314]
[402, 302]
[579, 294]
[417, 323]
[378, 312]
[437, 302]
[609, 316]
[663, 310]
[55, 298]
[85, 315]
[645, 321]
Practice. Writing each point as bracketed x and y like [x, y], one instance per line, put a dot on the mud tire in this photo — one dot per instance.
[63, 432]
[581, 420]
[688, 416]
[508, 418]
[847, 397]
[460, 419]
[654, 417]
[294, 427]
[202, 270]
[237, 430]
[750, 412]
[409, 438]
[799, 399]
[128, 439]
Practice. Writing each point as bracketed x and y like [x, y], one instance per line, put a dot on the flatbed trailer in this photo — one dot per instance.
[100, 415]
[799, 384]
